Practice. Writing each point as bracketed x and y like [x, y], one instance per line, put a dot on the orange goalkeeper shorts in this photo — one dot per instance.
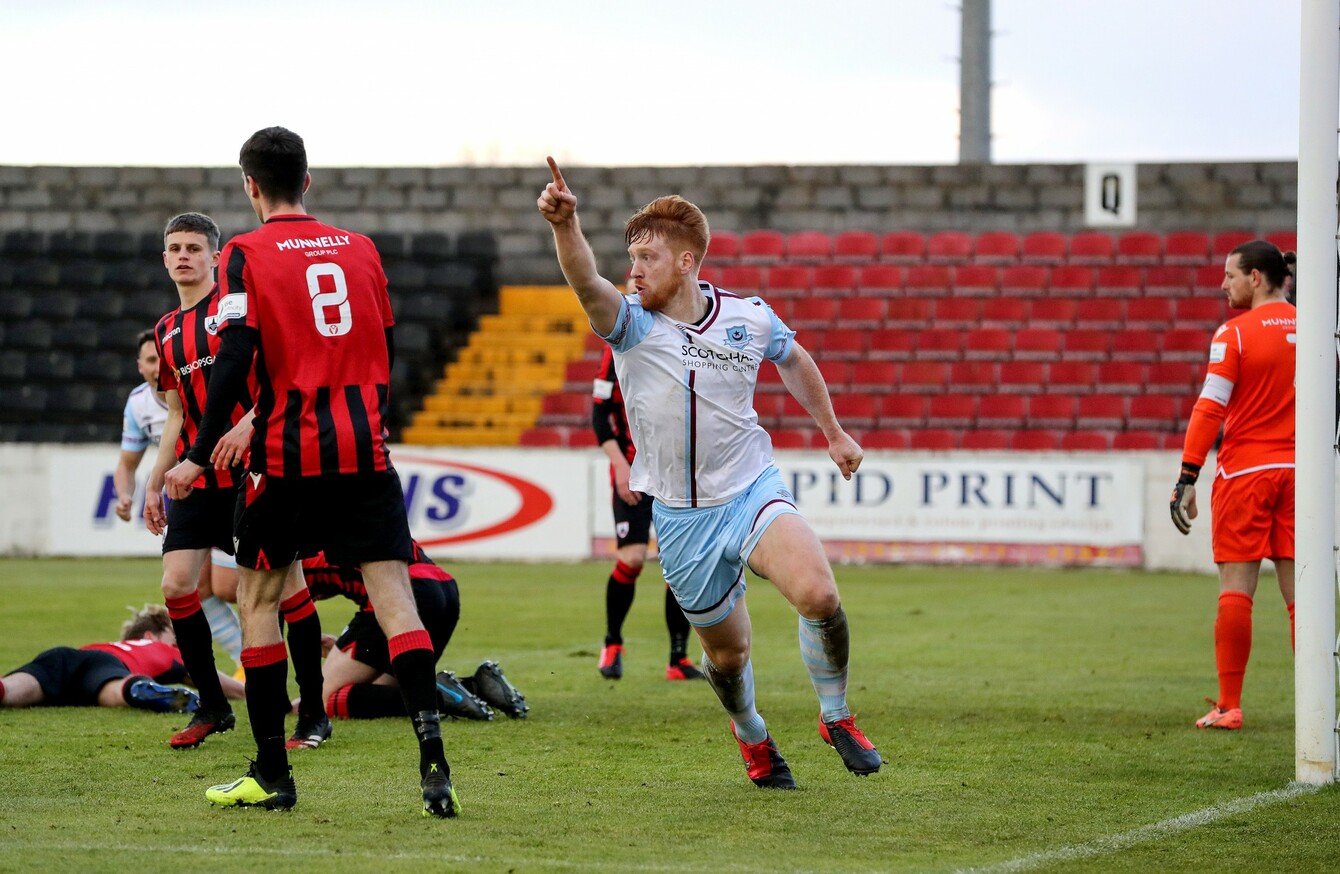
[1252, 515]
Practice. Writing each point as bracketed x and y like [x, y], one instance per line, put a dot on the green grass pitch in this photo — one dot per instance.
[1029, 720]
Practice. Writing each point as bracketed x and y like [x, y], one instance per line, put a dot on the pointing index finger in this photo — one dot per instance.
[558, 175]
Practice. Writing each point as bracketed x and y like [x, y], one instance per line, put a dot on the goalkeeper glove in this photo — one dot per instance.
[1183, 503]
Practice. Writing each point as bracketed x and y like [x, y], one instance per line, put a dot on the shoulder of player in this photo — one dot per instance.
[139, 391]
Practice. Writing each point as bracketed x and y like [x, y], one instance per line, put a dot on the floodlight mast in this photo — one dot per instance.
[1315, 729]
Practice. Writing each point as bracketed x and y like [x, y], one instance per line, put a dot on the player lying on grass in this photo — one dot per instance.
[130, 672]
[358, 679]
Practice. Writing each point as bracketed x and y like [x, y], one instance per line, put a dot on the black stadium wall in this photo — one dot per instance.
[1211, 197]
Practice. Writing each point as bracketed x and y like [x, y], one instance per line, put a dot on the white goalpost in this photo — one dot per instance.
[1316, 646]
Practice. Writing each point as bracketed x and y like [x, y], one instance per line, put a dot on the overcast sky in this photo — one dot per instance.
[634, 82]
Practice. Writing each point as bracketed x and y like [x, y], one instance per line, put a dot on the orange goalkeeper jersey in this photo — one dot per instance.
[1250, 387]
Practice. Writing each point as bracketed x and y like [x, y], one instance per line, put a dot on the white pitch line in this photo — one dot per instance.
[1154, 831]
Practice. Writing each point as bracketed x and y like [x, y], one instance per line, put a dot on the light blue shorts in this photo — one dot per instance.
[704, 549]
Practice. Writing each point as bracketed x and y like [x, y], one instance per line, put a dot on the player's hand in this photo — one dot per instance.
[846, 454]
[557, 204]
[231, 450]
[123, 508]
[179, 480]
[155, 519]
[1183, 506]
[627, 495]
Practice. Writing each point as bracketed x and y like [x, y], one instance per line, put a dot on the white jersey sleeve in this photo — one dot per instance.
[143, 419]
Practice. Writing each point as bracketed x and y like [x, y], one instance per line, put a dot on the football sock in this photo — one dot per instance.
[196, 645]
[412, 662]
[2, 691]
[619, 591]
[824, 647]
[304, 643]
[224, 625]
[1291, 635]
[736, 693]
[365, 701]
[267, 704]
[1232, 645]
[678, 625]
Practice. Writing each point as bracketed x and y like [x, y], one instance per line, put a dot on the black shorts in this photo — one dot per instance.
[355, 518]
[632, 524]
[439, 604]
[72, 677]
[201, 520]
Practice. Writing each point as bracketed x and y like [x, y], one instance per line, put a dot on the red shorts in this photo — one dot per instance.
[1252, 516]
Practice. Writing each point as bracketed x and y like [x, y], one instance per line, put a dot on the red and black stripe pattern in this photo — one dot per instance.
[613, 419]
[326, 580]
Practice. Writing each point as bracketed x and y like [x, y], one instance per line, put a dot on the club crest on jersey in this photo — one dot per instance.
[738, 336]
[212, 324]
[621, 530]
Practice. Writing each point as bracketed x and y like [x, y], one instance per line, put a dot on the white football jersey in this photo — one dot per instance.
[689, 394]
[143, 420]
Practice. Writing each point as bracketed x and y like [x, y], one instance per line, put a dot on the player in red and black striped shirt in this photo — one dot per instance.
[632, 530]
[188, 343]
[309, 301]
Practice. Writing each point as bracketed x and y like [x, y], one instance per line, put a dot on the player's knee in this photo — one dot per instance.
[177, 585]
[818, 600]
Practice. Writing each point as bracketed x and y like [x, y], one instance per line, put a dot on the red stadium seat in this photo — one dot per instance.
[951, 411]
[939, 344]
[1055, 312]
[844, 344]
[792, 438]
[1037, 344]
[924, 376]
[770, 380]
[893, 344]
[885, 280]
[861, 312]
[836, 280]
[1140, 248]
[812, 312]
[1153, 412]
[1186, 247]
[809, 247]
[1225, 241]
[857, 410]
[1086, 441]
[1101, 411]
[788, 280]
[1119, 282]
[903, 411]
[1185, 344]
[927, 279]
[1126, 440]
[1081, 344]
[1072, 281]
[1201, 312]
[975, 280]
[1043, 247]
[949, 247]
[1149, 313]
[1206, 281]
[909, 313]
[1091, 247]
[1172, 440]
[974, 377]
[1023, 377]
[1035, 439]
[1135, 345]
[1175, 377]
[1099, 313]
[956, 312]
[1287, 240]
[1168, 281]
[565, 408]
[985, 439]
[1001, 411]
[876, 377]
[762, 246]
[836, 373]
[1076, 377]
[723, 246]
[544, 435]
[1005, 312]
[938, 439]
[987, 344]
[886, 438]
[903, 247]
[769, 406]
[998, 247]
[1051, 411]
[856, 246]
[742, 279]
[710, 273]
[1027, 280]
[1122, 377]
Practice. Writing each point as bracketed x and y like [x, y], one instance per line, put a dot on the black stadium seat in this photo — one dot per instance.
[114, 244]
[479, 246]
[70, 397]
[55, 306]
[79, 335]
[406, 276]
[430, 247]
[29, 334]
[454, 277]
[15, 304]
[69, 244]
[37, 274]
[13, 365]
[390, 246]
[23, 243]
[106, 365]
[82, 273]
[51, 365]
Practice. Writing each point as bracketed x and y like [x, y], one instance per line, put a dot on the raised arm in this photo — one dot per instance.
[802, 378]
[598, 296]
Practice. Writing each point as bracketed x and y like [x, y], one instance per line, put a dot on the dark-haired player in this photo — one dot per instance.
[130, 672]
[308, 301]
[201, 519]
[359, 683]
[632, 530]
[1249, 389]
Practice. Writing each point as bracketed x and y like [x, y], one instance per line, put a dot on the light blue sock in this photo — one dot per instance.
[736, 693]
[224, 625]
[824, 647]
